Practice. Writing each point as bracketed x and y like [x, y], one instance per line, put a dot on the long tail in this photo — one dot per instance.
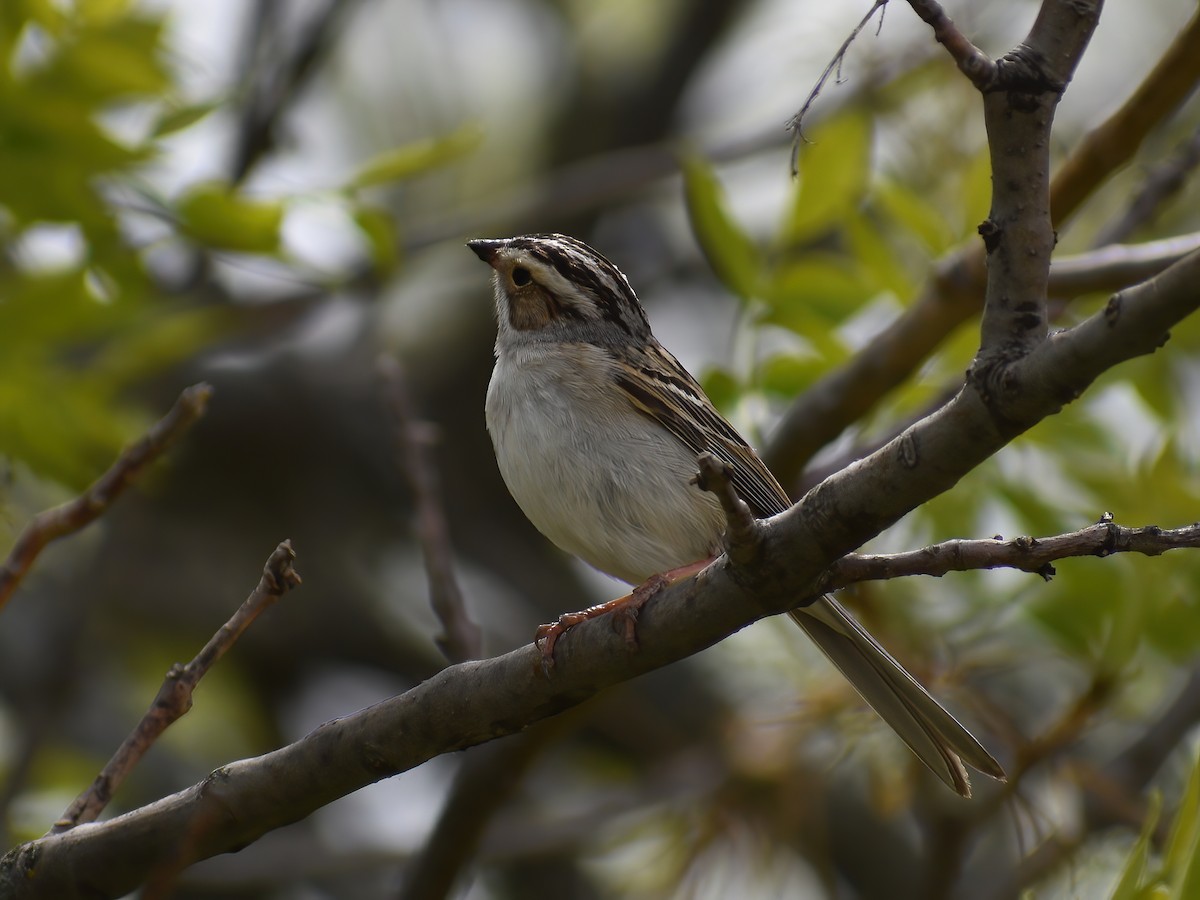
[921, 722]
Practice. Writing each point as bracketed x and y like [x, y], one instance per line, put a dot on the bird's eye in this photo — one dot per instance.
[521, 276]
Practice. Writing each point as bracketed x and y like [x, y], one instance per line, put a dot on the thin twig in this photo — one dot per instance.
[461, 639]
[271, 92]
[795, 124]
[72, 516]
[741, 528]
[1162, 182]
[175, 695]
[485, 782]
[980, 68]
[1028, 554]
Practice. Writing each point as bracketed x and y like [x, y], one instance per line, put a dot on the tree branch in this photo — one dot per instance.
[270, 94]
[971, 61]
[486, 781]
[175, 696]
[853, 505]
[1116, 266]
[73, 516]
[461, 638]
[1113, 143]
[954, 293]
[1018, 235]
[795, 124]
[1028, 554]
[1162, 182]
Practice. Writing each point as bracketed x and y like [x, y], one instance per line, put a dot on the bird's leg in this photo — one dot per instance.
[624, 609]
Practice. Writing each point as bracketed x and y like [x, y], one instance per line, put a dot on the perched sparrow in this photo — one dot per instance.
[597, 429]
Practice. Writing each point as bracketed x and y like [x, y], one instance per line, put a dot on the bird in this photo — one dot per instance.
[597, 429]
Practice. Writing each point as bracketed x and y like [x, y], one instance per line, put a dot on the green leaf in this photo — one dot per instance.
[214, 215]
[916, 214]
[722, 387]
[729, 251]
[1180, 869]
[100, 11]
[877, 259]
[1130, 883]
[117, 59]
[416, 158]
[1172, 625]
[975, 192]
[814, 292]
[71, 440]
[379, 228]
[787, 374]
[834, 172]
[159, 340]
[180, 117]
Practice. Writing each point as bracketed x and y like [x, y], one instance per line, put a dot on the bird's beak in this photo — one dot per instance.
[486, 250]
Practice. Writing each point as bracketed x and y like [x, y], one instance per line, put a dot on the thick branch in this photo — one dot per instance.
[1028, 554]
[1018, 235]
[955, 292]
[175, 696]
[853, 505]
[73, 516]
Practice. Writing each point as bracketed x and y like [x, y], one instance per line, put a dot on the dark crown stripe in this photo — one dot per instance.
[581, 265]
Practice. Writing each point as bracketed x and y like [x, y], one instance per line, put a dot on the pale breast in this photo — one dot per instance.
[598, 478]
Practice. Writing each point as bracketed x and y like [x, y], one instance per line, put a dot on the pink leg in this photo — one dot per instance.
[624, 609]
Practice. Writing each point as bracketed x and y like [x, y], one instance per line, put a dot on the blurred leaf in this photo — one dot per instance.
[916, 214]
[113, 59]
[817, 286]
[877, 259]
[1183, 843]
[722, 387]
[728, 249]
[1125, 630]
[161, 339]
[1172, 623]
[787, 375]
[416, 158]
[72, 439]
[100, 11]
[975, 191]
[44, 13]
[1130, 883]
[1079, 610]
[212, 214]
[39, 310]
[379, 228]
[834, 173]
[181, 117]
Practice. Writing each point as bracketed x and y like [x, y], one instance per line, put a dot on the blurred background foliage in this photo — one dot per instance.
[267, 195]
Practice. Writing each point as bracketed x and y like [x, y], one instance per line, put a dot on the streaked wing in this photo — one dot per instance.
[663, 389]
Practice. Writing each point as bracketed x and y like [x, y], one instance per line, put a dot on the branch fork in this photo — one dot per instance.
[743, 532]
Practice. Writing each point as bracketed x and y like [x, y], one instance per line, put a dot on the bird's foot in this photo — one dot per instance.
[625, 612]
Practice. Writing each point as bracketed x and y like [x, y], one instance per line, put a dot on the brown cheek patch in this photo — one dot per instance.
[531, 311]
